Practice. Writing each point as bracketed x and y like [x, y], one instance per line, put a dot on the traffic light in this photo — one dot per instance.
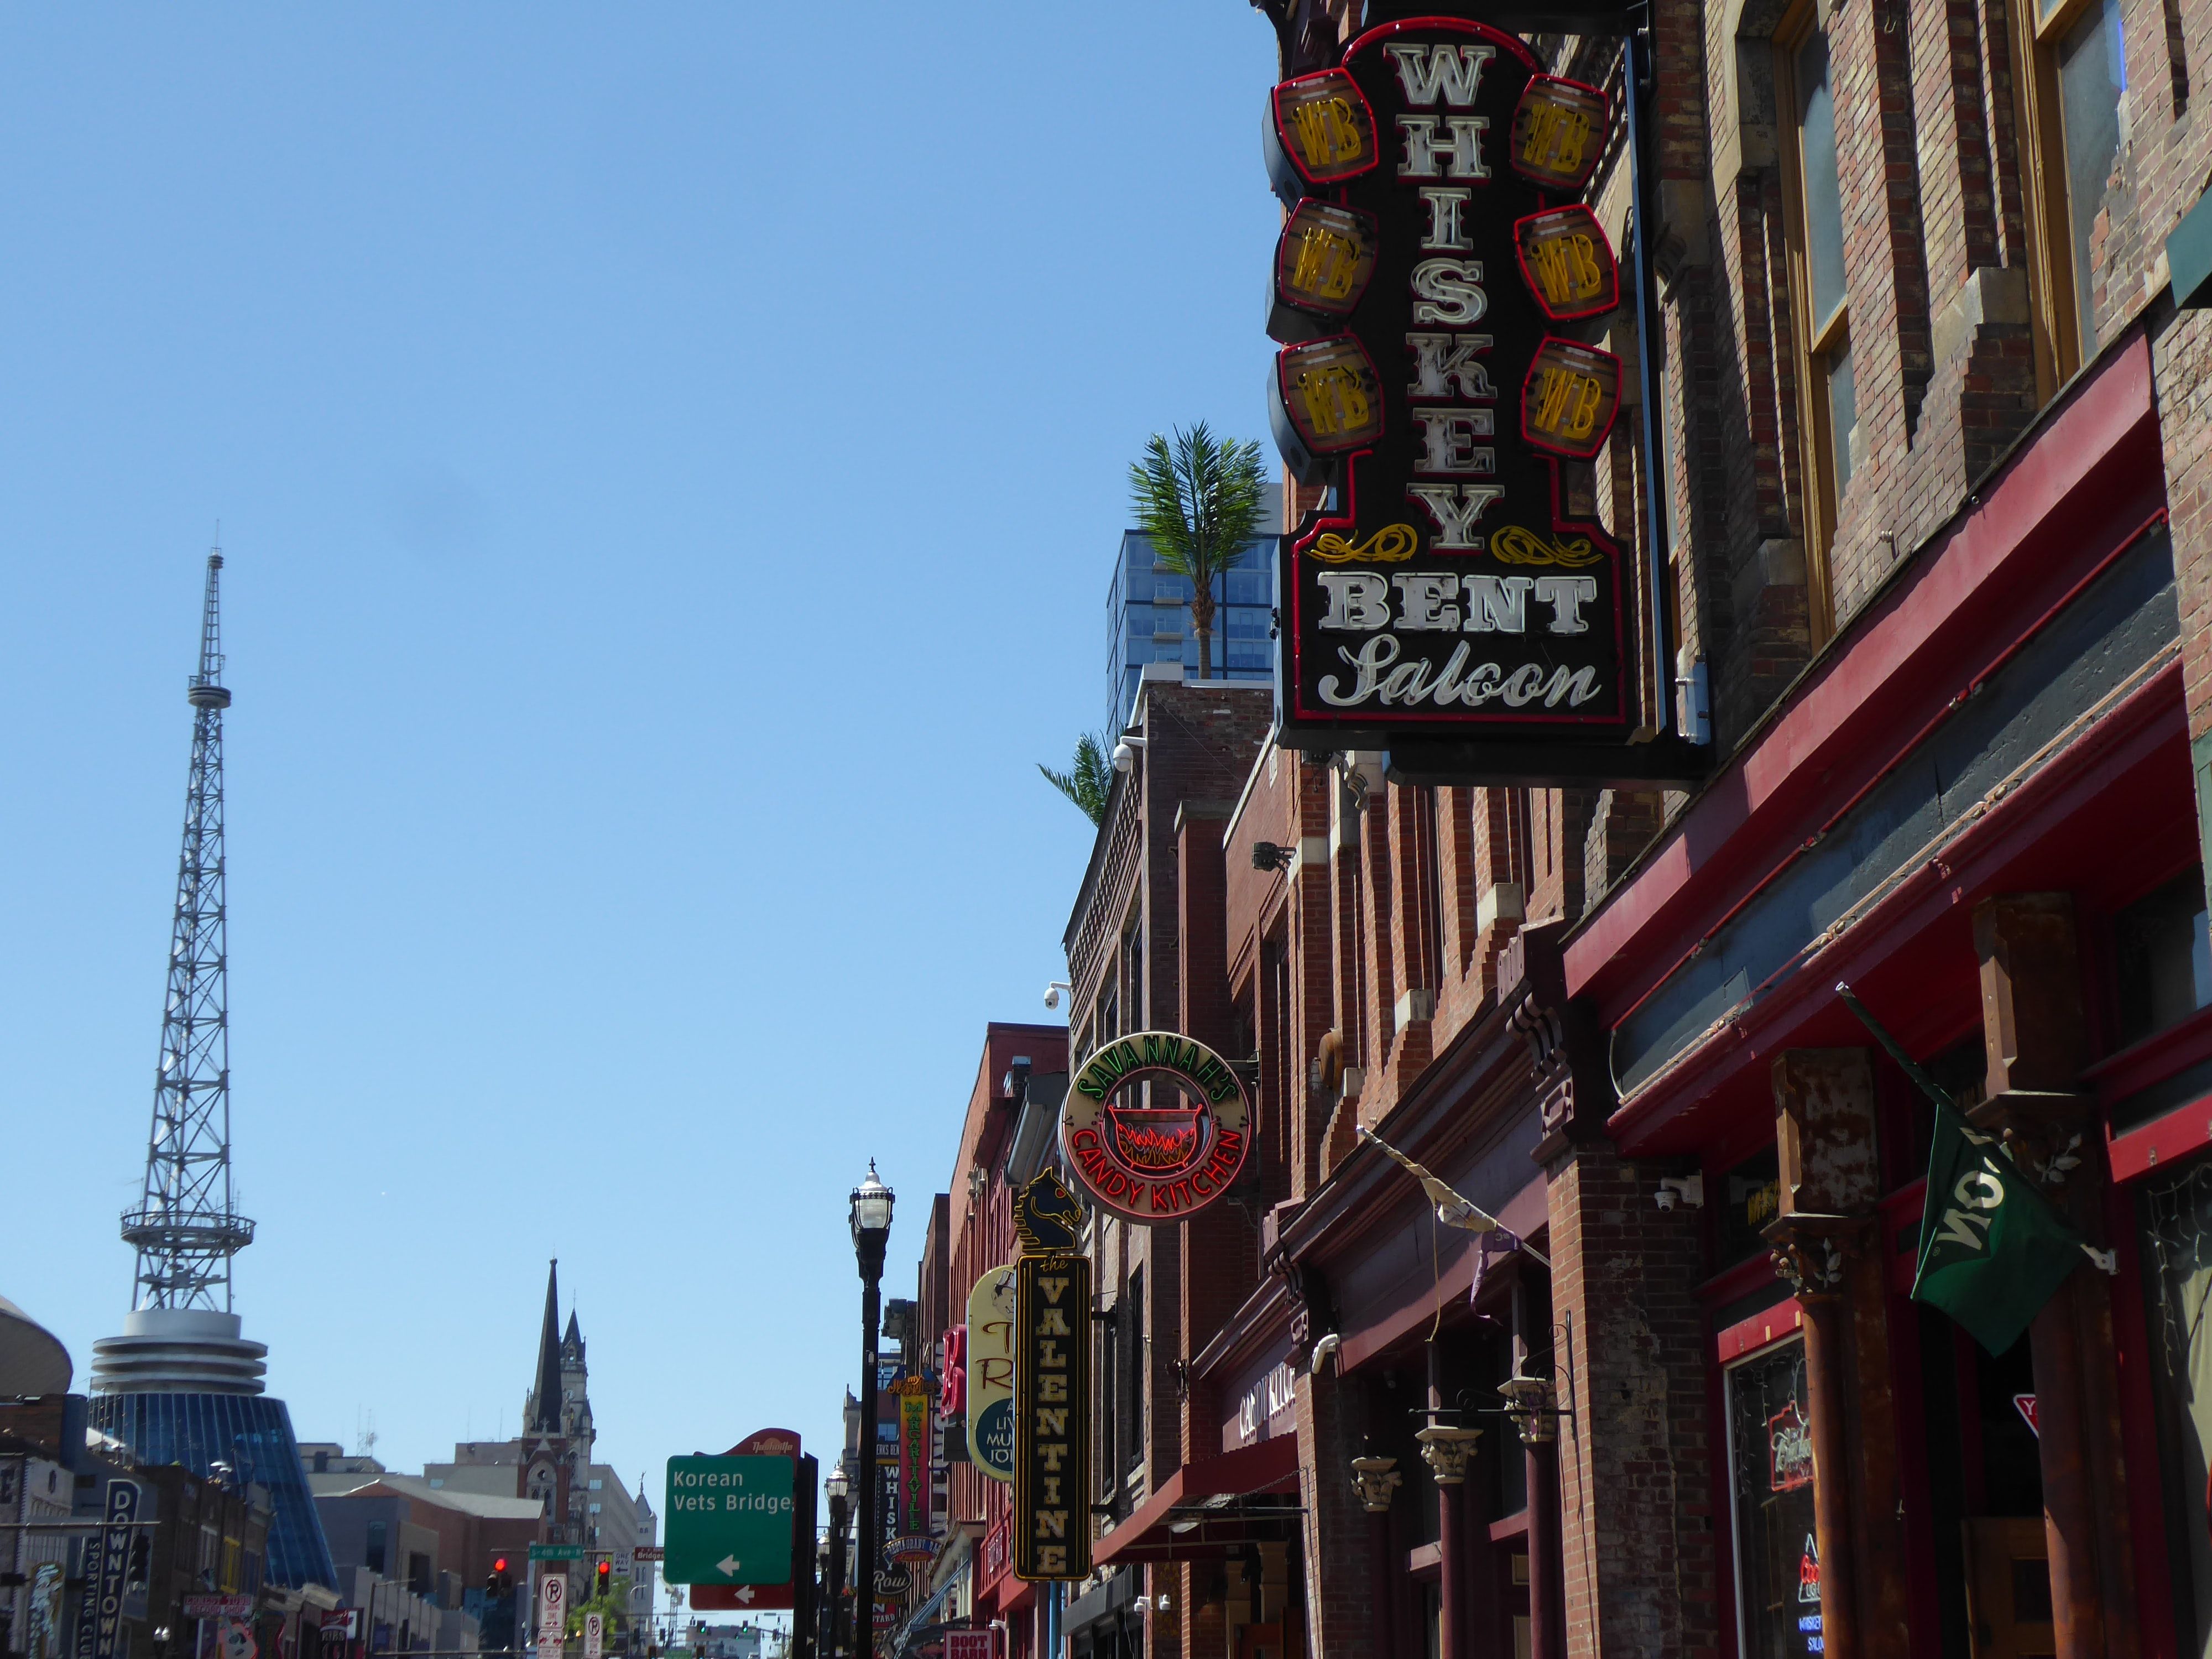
[603, 1577]
[501, 1583]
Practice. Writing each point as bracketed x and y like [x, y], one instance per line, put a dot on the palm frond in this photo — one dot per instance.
[1089, 781]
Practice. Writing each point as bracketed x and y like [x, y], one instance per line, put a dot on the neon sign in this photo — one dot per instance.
[1435, 289]
[1157, 1126]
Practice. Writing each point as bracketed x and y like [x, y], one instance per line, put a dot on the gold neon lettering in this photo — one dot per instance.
[1333, 399]
[1327, 133]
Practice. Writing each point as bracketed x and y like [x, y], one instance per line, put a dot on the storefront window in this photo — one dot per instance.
[2163, 958]
[2176, 1216]
[1750, 1197]
[1777, 1563]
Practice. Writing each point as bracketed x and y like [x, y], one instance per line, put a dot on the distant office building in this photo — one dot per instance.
[1148, 619]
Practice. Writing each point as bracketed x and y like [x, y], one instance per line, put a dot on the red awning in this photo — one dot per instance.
[1203, 1507]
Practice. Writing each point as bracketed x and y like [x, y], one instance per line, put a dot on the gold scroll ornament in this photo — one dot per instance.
[1514, 545]
[1393, 543]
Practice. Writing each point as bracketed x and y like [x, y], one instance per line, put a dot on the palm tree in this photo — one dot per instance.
[1088, 781]
[1199, 498]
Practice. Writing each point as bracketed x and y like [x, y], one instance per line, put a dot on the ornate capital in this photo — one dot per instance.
[1311, 1316]
[1446, 1452]
[1533, 1406]
[1812, 1252]
[1572, 1084]
[1375, 1479]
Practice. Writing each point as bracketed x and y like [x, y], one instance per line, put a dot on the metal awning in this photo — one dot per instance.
[913, 1627]
[1206, 1507]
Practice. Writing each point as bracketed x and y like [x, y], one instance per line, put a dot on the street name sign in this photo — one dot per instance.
[729, 1519]
[556, 1551]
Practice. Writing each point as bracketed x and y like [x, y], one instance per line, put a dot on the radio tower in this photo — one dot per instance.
[186, 1227]
[181, 1384]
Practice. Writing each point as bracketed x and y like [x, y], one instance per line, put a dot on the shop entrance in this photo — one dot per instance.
[1992, 1579]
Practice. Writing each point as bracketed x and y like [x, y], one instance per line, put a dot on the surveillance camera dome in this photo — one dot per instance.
[1124, 756]
[1052, 996]
[1668, 1197]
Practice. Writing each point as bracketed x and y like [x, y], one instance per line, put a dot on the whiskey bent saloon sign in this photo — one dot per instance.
[1435, 286]
[1156, 1125]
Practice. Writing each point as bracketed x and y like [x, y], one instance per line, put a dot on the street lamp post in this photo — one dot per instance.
[838, 1487]
[872, 1227]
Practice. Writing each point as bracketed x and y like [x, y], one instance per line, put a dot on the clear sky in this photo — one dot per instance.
[669, 461]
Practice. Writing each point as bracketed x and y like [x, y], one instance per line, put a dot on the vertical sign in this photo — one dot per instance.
[914, 1457]
[595, 1629]
[952, 1395]
[990, 1363]
[115, 1566]
[107, 1567]
[1052, 1386]
[552, 1610]
[1437, 289]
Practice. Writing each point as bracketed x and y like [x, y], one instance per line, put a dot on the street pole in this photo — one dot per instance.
[872, 1227]
[837, 1517]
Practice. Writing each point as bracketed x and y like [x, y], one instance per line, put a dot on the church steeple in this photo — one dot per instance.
[545, 1398]
[572, 1345]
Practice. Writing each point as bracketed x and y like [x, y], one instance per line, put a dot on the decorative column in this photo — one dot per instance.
[1825, 1245]
[1445, 1450]
[1376, 1480]
[2035, 1037]
[1533, 1406]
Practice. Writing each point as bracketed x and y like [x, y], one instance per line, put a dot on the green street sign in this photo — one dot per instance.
[730, 1520]
[556, 1551]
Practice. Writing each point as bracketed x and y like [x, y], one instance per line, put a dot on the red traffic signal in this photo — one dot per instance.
[607, 1572]
[500, 1565]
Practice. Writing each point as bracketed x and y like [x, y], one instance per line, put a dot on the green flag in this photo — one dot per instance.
[1992, 1250]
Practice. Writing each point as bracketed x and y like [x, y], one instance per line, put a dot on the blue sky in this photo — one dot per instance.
[669, 461]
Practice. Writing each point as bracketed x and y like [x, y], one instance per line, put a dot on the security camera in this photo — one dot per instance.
[1052, 991]
[1665, 1197]
[1125, 753]
[1680, 1189]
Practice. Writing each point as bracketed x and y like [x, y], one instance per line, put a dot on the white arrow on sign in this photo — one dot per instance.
[727, 1566]
[744, 1593]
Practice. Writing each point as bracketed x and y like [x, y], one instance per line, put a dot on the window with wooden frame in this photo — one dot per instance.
[1820, 291]
[2071, 91]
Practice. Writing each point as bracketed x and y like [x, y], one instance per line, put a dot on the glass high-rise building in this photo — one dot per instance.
[1148, 621]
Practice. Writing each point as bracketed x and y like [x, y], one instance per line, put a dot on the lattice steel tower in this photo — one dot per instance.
[183, 1383]
[186, 1227]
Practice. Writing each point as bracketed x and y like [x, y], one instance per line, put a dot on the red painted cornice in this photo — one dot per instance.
[2090, 474]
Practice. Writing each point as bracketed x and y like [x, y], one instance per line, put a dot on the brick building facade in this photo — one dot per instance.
[1935, 444]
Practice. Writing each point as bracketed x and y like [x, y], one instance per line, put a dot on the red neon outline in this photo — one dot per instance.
[1283, 392]
[1562, 522]
[1291, 151]
[1312, 308]
[1597, 438]
[1202, 1163]
[1535, 288]
[1624, 645]
[1548, 181]
[1462, 25]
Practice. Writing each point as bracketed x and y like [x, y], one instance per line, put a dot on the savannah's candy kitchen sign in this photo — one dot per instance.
[1434, 289]
[1156, 1125]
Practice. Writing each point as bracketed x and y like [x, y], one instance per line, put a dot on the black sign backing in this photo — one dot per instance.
[1051, 1523]
[1458, 589]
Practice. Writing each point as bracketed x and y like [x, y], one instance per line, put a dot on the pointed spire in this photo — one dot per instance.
[545, 1398]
